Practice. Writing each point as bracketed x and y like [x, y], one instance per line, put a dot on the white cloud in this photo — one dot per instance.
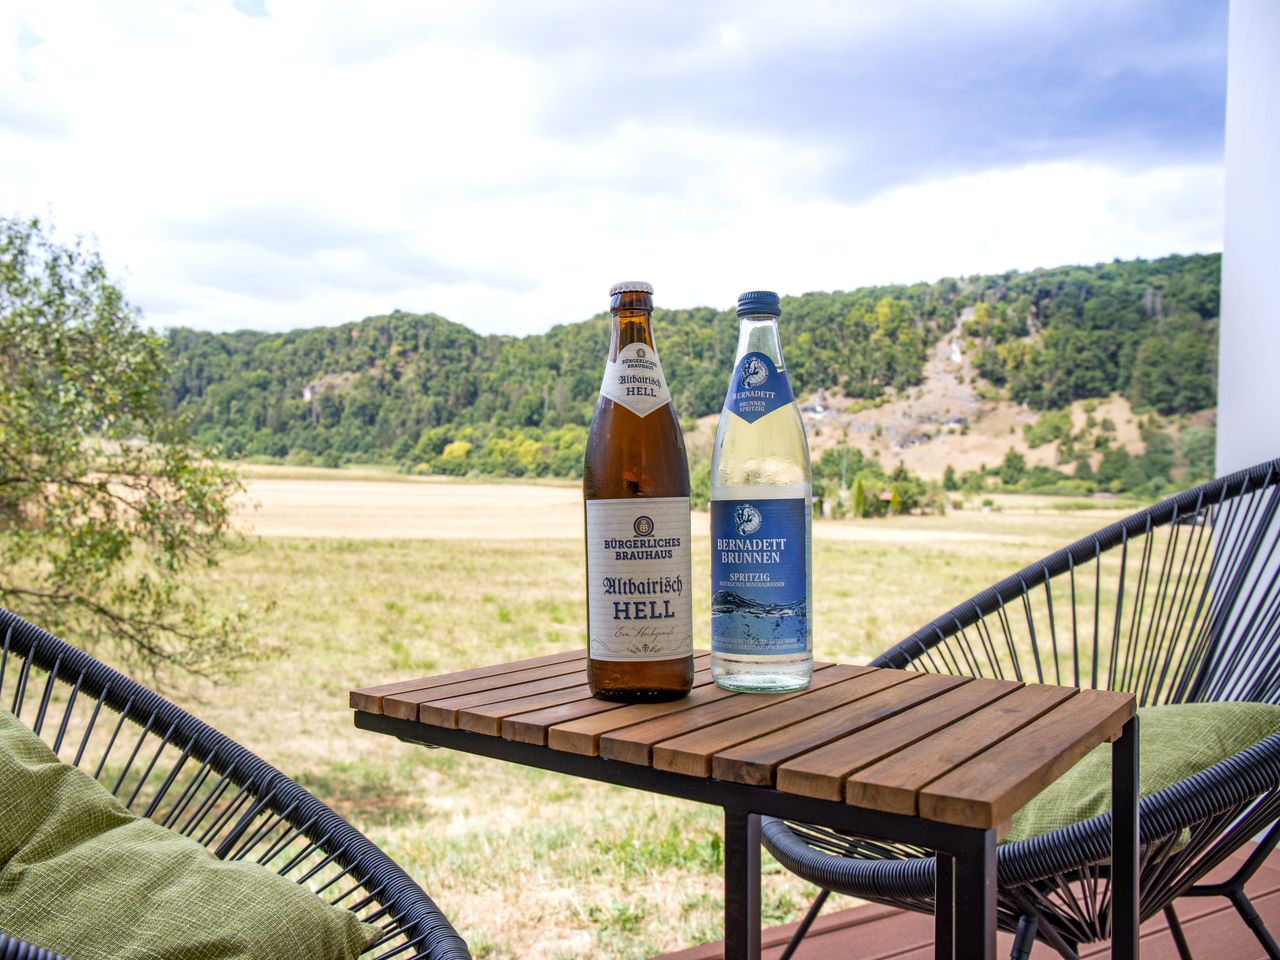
[330, 161]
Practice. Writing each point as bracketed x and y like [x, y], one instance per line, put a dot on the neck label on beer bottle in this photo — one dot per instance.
[758, 388]
[635, 380]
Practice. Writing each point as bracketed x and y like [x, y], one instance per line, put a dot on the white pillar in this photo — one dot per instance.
[1249, 334]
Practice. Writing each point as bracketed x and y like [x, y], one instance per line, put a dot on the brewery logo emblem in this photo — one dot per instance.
[643, 526]
[747, 519]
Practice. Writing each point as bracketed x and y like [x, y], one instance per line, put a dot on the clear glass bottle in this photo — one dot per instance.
[635, 488]
[761, 518]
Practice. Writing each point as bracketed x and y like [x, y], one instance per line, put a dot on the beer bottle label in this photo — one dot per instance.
[757, 388]
[759, 583]
[635, 381]
[639, 605]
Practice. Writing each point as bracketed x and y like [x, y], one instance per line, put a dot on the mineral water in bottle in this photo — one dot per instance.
[761, 518]
[635, 489]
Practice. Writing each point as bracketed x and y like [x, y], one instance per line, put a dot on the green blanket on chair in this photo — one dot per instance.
[81, 875]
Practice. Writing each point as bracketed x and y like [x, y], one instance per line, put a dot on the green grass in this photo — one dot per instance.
[526, 863]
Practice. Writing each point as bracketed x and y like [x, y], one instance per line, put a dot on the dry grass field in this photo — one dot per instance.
[359, 579]
[413, 510]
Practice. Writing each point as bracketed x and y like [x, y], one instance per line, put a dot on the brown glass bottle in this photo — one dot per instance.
[635, 491]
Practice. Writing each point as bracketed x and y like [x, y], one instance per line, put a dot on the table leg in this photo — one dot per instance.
[1124, 843]
[944, 908]
[975, 897]
[741, 885]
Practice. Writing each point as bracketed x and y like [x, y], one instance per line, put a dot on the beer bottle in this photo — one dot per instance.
[635, 490]
[761, 502]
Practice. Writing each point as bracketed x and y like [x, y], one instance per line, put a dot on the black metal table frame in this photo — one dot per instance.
[965, 889]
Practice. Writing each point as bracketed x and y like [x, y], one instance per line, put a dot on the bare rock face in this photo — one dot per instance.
[953, 418]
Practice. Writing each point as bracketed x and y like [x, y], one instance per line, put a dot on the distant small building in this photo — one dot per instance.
[817, 407]
[329, 383]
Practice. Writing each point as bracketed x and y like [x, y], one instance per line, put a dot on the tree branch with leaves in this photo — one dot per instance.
[111, 517]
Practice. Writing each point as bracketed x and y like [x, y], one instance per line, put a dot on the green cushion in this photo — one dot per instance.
[83, 876]
[1174, 742]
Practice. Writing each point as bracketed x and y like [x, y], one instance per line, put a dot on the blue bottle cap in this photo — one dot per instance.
[759, 301]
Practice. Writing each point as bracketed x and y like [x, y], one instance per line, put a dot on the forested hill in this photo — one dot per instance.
[421, 390]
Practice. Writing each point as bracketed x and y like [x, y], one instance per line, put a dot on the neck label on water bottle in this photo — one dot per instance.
[759, 580]
[635, 380]
[757, 388]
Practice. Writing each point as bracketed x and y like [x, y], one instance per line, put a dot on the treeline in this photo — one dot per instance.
[1147, 330]
[1169, 461]
[433, 396]
[383, 388]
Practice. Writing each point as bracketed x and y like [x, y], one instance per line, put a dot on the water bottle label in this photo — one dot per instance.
[759, 584]
[635, 380]
[757, 388]
[639, 605]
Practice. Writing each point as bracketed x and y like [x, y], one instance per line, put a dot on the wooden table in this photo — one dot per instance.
[938, 761]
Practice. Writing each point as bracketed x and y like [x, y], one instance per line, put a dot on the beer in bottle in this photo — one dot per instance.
[761, 501]
[636, 492]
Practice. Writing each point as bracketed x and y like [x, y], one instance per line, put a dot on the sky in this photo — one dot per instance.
[274, 164]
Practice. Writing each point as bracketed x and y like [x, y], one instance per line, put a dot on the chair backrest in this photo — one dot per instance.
[1176, 602]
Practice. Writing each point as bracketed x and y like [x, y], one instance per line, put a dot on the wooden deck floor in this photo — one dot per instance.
[1213, 928]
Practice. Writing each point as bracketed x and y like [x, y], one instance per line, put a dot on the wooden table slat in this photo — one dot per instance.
[822, 772]
[369, 699]
[692, 752]
[990, 788]
[756, 761]
[485, 689]
[894, 783]
[582, 736]
[633, 744]
[487, 718]
[532, 727]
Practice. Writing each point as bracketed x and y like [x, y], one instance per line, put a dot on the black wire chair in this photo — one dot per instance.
[11, 948]
[165, 764]
[1177, 603]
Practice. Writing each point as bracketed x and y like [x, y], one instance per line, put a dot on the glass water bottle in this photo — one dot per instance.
[761, 518]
